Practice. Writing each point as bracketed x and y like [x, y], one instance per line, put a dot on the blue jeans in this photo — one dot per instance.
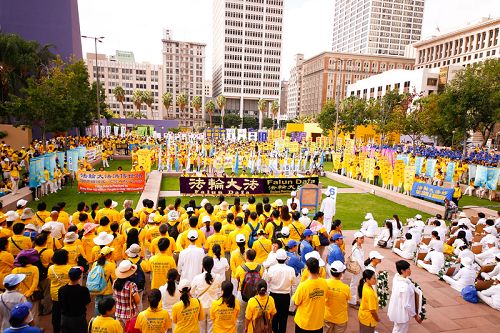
[98, 299]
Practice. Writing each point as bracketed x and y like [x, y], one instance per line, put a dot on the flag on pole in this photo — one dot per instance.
[176, 163]
[322, 160]
[236, 163]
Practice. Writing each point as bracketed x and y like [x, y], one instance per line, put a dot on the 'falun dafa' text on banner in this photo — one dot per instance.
[111, 181]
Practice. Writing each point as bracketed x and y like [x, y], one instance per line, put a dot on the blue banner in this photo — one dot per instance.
[481, 176]
[72, 157]
[403, 157]
[432, 193]
[81, 152]
[492, 178]
[450, 169]
[419, 162]
[60, 159]
[430, 167]
[50, 163]
[36, 171]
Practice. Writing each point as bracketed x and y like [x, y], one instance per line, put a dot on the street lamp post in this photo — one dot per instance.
[97, 39]
[337, 108]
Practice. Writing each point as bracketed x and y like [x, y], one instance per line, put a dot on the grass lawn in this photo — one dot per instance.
[70, 195]
[468, 200]
[348, 207]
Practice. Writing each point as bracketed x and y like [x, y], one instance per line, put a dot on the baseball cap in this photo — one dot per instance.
[337, 236]
[305, 211]
[106, 250]
[307, 232]
[337, 267]
[291, 243]
[281, 254]
[240, 238]
[184, 283]
[189, 210]
[206, 218]
[285, 231]
[192, 235]
[261, 232]
[375, 255]
[315, 255]
[75, 273]
[293, 193]
[21, 311]
[358, 234]
[21, 202]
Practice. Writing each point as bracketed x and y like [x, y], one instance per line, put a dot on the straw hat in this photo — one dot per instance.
[103, 238]
[125, 269]
[70, 237]
[89, 227]
[133, 251]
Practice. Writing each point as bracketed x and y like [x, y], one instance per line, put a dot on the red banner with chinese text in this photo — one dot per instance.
[111, 181]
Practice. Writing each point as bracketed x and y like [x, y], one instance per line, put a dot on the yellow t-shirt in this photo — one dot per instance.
[306, 274]
[217, 238]
[240, 272]
[46, 255]
[18, 243]
[58, 276]
[153, 321]
[186, 318]
[227, 228]
[368, 303]
[73, 252]
[254, 310]
[183, 242]
[6, 265]
[106, 325]
[262, 247]
[310, 299]
[160, 264]
[172, 247]
[231, 239]
[224, 317]
[336, 303]
[296, 230]
[109, 273]
[30, 283]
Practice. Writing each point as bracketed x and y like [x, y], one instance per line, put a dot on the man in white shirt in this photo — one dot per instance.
[495, 273]
[491, 296]
[433, 261]
[464, 220]
[280, 278]
[369, 227]
[407, 248]
[487, 256]
[191, 258]
[440, 230]
[328, 208]
[294, 200]
[57, 227]
[490, 228]
[304, 219]
[464, 277]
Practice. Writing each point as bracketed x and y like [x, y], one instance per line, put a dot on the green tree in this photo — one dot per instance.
[250, 122]
[137, 100]
[268, 122]
[232, 120]
[119, 93]
[275, 108]
[353, 112]
[196, 103]
[167, 101]
[209, 109]
[411, 118]
[221, 103]
[148, 99]
[383, 113]
[262, 107]
[182, 101]
[327, 117]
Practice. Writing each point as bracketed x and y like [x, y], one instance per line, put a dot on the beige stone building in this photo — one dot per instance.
[327, 75]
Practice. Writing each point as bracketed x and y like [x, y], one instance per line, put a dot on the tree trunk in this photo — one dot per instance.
[464, 151]
[222, 118]
[210, 121]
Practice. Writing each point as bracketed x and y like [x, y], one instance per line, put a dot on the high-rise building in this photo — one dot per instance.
[294, 86]
[184, 73]
[247, 38]
[376, 26]
[56, 24]
[327, 75]
[131, 76]
[283, 99]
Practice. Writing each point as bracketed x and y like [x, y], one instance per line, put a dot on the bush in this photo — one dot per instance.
[3, 134]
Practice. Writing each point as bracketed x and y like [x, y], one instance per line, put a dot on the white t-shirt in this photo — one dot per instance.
[220, 266]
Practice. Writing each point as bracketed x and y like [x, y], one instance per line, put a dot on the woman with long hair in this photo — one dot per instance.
[206, 288]
[337, 229]
[109, 267]
[285, 216]
[397, 227]
[386, 237]
[224, 320]
[358, 255]
[169, 292]
[236, 209]
[125, 292]
[368, 307]
[257, 305]
[187, 313]
[221, 265]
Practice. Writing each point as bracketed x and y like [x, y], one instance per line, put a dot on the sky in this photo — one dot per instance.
[137, 26]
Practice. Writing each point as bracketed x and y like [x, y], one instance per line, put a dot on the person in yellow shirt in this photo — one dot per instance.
[18, 242]
[223, 210]
[6, 261]
[80, 209]
[457, 193]
[160, 264]
[63, 215]
[58, 276]
[45, 255]
[260, 305]
[163, 229]
[88, 238]
[104, 322]
[310, 312]
[274, 225]
[216, 238]
[228, 224]
[183, 242]
[262, 247]
[187, 313]
[224, 311]
[336, 304]
[74, 250]
[152, 228]
[109, 274]
[237, 257]
[296, 227]
[24, 263]
[239, 229]
[154, 319]
[109, 211]
[368, 307]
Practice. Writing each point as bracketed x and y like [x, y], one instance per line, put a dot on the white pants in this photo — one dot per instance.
[240, 323]
[488, 300]
[45, 188]
[105, 163]
[401, 327]
[402, 254]
[206, 324]
[453, 283]
[427, 267]
[327, 223]
[354, 287]
[295, 284]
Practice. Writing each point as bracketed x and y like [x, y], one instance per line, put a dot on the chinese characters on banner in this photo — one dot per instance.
[111, 181]
[430, 192]
[229, 185]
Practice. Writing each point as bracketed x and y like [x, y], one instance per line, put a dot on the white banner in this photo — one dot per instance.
[252, 136]
[123, 131]
[333, 194]
[231, 134]
[242, 134]
[116, 129]
[108, 131]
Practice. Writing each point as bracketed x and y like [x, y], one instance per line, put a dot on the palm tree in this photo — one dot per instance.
[119, 93]
[262, 107]
[147, 97]
[196, 104]
[182, 101]
[275, 107]
[167, 100]
[210, 108]
[221, 103]
[137, 99]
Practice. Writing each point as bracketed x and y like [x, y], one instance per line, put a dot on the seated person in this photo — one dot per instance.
[495, 273]
[385, 236]
[491, 296]
[468, 232]
[490, 228]
[464, 252]
[436, 243]
[489, 255]
[441, 229]
[464, 277]
[407, 248]
[433, 261]
[369, 227]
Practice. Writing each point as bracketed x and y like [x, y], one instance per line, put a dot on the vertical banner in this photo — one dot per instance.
[262, 136]
[72, 158]
[419, 161]
[108, 131]
[50, 163]
[409, 177]
[492, 178]
[450, 169]
[103, 131]
[60, 159]
[115, 130]
[332, 190]
[144, 159]
[123, 131]
[371, 169]
[430, 167]
[252, 136]
[231, 134]
[398, 174]
[81, 152]
[481, 176]
[36, 171]
[472, 171]
[242, 134]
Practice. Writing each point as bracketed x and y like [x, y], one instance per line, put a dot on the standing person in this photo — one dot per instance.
[206, 288]
[187, 313]
[466, 276]
[328, 208]
[125, 292]
[224, 312]
[402, 302]
[104, 322]
[368, 308]
[221, 265]
[190, 259]
[109, 269]
[280, 279]
[74, 299]
[19, 320]
[334, 250]
[160, 264]
[310, 313]
[169, 292]
[59, 276]
[45, 255]
[261, 307]
[357, 255]
[457, 193]
[336, 304]
[154, 319]
[10, 298]
[6, 260]
[25, 264]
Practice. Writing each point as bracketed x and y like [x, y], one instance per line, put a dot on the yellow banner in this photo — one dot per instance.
[409, 177]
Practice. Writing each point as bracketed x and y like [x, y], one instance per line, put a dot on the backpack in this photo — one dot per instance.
[96, 280]
[277, 230]
[323, 240]
[172, 230]
[253, 235]
[139, 278]
[262, 324]
[42, 270]
[469, 293]
[249, 284]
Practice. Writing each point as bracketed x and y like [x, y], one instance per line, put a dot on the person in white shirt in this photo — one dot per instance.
[58, 229]
[374, 258]
[357, 255]
[271, 257]
[221, 265]
[487, 256]
[482, 218]
[280, 279]
[304, 219]
[468, 232]
[465, 252]
[169, 291]
[464, 277]
[294, 200]
[436, 243]
[397, 227]
[206, 287]
[495, 273]
[328, 208]
[433, 261]
[369, 227]
[491, 296]
[464, 220]
[490, 228]
[459, 241]
[417, 222]
[402, 305]
[407, 248]
[440, 230]
[385, 236]
[190, 259]
[488, 239]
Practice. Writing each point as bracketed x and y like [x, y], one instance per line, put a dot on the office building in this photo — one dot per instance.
[376, 26]
[284, 99]
[294, 87]
[327, 75]
[131, 76]
[247, 38]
